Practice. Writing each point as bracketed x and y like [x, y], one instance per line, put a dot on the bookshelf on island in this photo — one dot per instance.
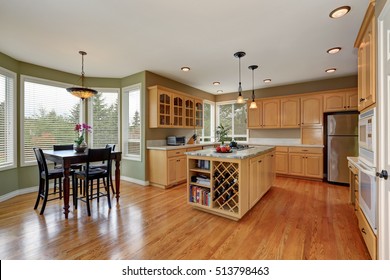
[229, 184]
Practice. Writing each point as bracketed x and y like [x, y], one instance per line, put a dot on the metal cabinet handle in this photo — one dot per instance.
[364, 231]
[362, 99]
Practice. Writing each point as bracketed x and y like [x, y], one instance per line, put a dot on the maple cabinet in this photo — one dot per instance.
[171, 109]
[311, 110]
[306, 162]
[366, 44]
[341, 101]
[281, 160]
[168, 168]
[266, 115]
[290, 112]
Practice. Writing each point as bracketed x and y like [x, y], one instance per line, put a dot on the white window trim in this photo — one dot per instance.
[125, 121]
[212, 123]
[90, 113]
[24, 78]
[217, 115]
[12, 75]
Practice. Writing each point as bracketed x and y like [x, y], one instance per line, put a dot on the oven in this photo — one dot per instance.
[368, 193]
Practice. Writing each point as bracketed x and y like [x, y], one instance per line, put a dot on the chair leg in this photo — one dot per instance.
[108, 193]
[40, 191]
[98, 190]
[45, 196]
[59, 186]
[112, 185]
[74, 191]
[86, 186]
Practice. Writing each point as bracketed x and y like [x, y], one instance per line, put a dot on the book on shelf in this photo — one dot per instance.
[203, 164]
[200, 195]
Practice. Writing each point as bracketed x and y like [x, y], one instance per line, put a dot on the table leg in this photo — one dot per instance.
[117, 179]
[66, 191]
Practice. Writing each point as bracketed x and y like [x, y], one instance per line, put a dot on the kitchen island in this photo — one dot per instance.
[229, 184]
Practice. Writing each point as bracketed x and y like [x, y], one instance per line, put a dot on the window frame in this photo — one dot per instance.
[212, 121]
[90, 114]
[13, 127]
[23, 79]
[231, 102]
[125, 122]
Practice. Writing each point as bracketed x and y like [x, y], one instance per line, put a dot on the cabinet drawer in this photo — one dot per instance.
[281, 149]
[367, 233]
[306, 150]
[175, 153]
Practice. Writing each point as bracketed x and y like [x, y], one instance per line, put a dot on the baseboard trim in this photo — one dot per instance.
[18, 192]
[135, 181]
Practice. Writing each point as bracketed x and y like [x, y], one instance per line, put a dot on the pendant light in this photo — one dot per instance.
[82, 92]
[240, 99]
[253, 103]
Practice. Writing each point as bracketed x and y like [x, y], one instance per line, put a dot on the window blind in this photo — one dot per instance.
[7, 120]
[104, 116]
[50, 114]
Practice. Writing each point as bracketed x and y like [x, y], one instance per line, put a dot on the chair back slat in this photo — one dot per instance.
[95, 155]
[42, 165]
[63, 147]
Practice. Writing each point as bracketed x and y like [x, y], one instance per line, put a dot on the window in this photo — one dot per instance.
[132, 122]
[233, 117]
[7, 119]
[207, 133]
[104, 118]
[49, 115]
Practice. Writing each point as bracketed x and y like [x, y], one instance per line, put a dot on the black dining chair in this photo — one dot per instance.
[90, 174]
[103, 166]
[73, 166]
[45, 175]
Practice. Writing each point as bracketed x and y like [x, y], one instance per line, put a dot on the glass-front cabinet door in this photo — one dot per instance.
[189, 112]
[198, 113]
[178, 110]
[164, 108]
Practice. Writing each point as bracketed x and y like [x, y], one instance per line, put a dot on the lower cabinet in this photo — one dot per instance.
[299, 161]
[168, 168]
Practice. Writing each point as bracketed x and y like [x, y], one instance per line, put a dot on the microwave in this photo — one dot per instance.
[176, 140]
[367, 137]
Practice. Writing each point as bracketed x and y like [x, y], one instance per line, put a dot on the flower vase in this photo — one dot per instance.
[80, 148]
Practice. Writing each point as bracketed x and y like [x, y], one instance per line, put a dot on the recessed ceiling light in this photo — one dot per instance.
[267, 80]
[330, 70]
[334, 50]
[216, 83]
[185, 69]
[340, 11]
[219, 91]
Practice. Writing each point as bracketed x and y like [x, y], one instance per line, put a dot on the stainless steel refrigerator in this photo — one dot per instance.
[342, 142]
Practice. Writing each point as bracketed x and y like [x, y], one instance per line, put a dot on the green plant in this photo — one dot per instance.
[81, 129]
[222, 133]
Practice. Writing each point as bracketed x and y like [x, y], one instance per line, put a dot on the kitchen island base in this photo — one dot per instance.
[229, 185]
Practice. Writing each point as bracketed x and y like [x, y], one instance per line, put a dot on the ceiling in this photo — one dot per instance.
[287, 39]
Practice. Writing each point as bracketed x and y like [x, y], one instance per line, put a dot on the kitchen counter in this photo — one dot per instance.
[353, 161]
[167, 148]
[252, 151]
[186, 146]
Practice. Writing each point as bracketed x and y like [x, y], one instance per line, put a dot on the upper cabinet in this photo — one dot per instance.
[366, 44]
[343, 100]
[266, 115]
[169, 108]
[290, 112]
[311, 110]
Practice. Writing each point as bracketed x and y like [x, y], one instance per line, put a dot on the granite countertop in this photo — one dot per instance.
[240, 154]
[167, 148]
[186, 146]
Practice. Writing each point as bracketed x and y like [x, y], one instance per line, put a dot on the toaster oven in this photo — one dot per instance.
[176, 140]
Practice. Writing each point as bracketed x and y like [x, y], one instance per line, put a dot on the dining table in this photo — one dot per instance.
[68, 157]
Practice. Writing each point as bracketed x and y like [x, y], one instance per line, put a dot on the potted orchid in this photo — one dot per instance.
[81, 130]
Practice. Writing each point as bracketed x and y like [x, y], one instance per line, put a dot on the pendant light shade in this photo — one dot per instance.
[253, 103]
[82, 92]
[240, 98]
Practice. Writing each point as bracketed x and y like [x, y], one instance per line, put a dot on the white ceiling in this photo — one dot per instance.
[287, 39]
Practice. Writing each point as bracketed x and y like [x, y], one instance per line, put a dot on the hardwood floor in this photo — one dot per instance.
[296, 219]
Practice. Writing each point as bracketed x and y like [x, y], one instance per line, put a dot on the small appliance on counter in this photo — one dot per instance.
[176, 140]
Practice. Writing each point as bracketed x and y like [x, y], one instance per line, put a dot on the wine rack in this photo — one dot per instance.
[225, 192]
